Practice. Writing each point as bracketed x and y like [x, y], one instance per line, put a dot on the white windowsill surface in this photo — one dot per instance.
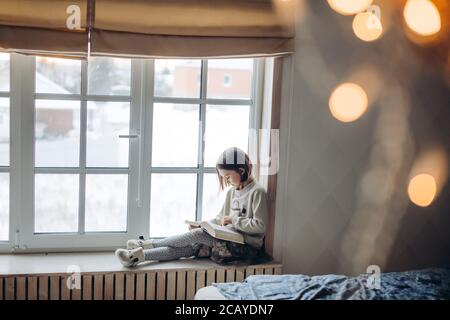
[58, 263]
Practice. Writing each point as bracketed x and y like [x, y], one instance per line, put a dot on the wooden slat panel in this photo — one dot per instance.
[98, 287]
[21, 288]
[210, 276]
[190, 289]
[32, 288]
[230, 275]
[240, 274]
[129, 290]
[9, 288]
[151, 278]
[140, 286]
[161, 285]
[268, 270]
[43, 288]
[249, 271]
[259, 270]
[181, 285]
[87, 287]
[54, 287]
[277, 270]
[65, 291]
[109, 286]
[76, 294]
[220, 275]
[201, 279]
[171, 285]
[120, 278]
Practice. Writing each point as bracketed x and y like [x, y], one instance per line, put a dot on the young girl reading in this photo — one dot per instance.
[244, 211]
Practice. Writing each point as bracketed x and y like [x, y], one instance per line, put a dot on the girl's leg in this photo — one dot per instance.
[168, 253]
[131, 258]
[189, 238]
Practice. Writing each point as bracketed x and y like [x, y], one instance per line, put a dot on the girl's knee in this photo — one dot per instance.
[196, 231]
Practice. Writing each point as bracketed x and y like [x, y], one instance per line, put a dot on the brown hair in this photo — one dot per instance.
[233, 159]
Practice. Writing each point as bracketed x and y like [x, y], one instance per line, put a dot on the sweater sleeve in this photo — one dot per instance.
[255, 224]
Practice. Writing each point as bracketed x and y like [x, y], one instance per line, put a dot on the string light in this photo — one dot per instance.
[348, 102]
[367, 26]
[422, 189]
[349, 7]
[422, 17]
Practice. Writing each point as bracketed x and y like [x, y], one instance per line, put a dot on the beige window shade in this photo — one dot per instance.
[148, 28]
[49, 27]
[193, 28]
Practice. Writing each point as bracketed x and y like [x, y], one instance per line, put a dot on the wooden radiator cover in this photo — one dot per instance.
[173, 284]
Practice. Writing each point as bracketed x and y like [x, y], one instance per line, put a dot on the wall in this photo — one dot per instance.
[342, 188]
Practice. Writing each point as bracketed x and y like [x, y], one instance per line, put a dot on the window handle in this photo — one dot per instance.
[128, 136]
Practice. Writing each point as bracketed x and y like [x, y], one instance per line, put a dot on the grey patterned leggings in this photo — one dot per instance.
[178, 246]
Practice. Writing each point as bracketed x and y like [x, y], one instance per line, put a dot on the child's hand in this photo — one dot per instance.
[226, 220]
[192, 227]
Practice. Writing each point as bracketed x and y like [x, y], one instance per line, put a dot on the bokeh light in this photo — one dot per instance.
[422, 189]
[422, 17]
[349, 7]
[367, 26]
[348, 102]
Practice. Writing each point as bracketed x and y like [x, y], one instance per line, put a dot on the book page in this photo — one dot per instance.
[193, 223]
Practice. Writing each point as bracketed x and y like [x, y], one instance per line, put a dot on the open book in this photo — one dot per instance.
[218, 231]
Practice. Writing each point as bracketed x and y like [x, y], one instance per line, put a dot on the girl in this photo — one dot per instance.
[245, 210]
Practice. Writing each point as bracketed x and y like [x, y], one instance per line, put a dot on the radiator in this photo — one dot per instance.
[131, 285]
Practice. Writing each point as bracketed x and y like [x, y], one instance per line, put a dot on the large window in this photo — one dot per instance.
[118, 147]
[81, 163]
[195, 117]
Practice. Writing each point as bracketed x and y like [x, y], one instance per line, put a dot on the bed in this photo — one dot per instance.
[426, 284]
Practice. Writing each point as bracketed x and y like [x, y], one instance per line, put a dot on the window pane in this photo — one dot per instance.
[106, 207]
[226, 126]
[175, 135]
[109, 76]
[4, 132]
[57, 131]
[4, 206]
[55, 75]
[213, 197]
[177, 78]
[56, 203]
[173, 199]
[230, 78]
[105, 122]
[4, 72]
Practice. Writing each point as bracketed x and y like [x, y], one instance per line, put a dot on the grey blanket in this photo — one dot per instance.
[410, 285]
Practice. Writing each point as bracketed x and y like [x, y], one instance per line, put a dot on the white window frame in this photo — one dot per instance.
[7, 169]
[22, 101]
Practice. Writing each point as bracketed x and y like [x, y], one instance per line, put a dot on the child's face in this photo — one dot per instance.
[231, 176]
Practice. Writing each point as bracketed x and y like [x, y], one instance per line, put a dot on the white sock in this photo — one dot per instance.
[136, 243]
[130, 258]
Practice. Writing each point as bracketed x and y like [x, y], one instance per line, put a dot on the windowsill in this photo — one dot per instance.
[91, 262]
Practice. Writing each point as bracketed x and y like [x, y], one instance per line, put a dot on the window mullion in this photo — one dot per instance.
[146, 93]
[201, 145]
[137, 223]
[82, 161]
[22, 151]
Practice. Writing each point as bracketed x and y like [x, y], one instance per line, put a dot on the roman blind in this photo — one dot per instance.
[51, 27]
[148, 28]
